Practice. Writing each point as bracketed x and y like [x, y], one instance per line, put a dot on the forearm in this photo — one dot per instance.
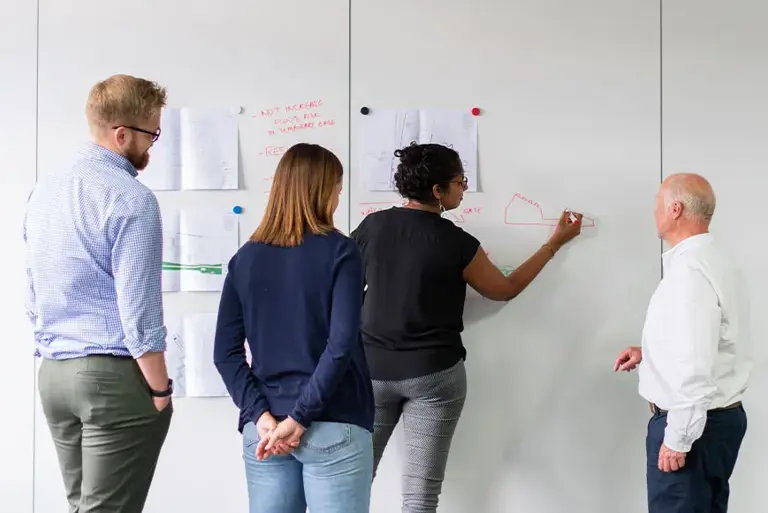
[152, 365]
[241, 385]
[343, 340]
[521, 277]
[318, 391]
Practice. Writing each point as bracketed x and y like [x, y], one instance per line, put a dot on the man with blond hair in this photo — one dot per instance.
[94, 257]
[694, 364]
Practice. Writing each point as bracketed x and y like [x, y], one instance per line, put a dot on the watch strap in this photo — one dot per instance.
[162, 393]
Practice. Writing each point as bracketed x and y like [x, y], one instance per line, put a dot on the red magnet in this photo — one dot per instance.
[475, 111]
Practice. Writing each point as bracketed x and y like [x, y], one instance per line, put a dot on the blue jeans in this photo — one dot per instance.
[330, 472]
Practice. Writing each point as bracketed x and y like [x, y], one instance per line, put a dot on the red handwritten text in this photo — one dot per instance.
[295, 117]
[314, 104]
[370, 207]
[273, 151]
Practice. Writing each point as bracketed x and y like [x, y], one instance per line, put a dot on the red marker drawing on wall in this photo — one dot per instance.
[522, 211]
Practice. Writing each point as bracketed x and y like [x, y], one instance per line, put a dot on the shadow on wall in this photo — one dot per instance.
[547, 427]
[477, 308]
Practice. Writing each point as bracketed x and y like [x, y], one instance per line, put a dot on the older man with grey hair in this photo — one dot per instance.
[693, 363]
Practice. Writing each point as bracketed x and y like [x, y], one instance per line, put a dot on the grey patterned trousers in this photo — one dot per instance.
[430, 406]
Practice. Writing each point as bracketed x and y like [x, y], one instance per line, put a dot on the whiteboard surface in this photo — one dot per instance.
[570, 94]
[18, 45]
[570, 99]
[256, 55]
[715, 112]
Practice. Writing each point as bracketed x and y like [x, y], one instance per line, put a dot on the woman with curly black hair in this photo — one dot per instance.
[417, 266]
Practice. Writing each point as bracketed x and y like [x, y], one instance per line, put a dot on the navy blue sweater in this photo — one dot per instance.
[299, 311]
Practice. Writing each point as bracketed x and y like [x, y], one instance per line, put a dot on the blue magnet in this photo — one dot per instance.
[237, 209]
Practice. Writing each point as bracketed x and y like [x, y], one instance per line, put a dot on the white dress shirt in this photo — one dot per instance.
[695, 340]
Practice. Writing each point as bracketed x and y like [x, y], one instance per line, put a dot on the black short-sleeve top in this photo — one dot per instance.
[413, 309]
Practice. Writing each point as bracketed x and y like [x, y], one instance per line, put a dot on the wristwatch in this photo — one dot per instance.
[162, 393]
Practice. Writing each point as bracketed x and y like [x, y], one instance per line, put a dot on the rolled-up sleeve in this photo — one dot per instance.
[137, 266]
[694, 324]
[29, 296]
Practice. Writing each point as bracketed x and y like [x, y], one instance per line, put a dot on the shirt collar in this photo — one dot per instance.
[99, 153]
[684, 245]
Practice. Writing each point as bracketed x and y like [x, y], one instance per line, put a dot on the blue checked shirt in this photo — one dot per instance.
[94, 245]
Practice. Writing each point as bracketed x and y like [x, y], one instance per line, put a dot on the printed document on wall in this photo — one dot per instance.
[164, 170]
[197, 149]
[209, 149]
[202, 378]
[171, 251]
[196, 254]
[190, 351]
[388, 130]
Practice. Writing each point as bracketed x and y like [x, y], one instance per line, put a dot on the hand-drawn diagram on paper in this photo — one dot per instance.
[197, 149]
[174, 355]
[522, 211]
[197, 246]
[189, 356]
[202, 378]
[390, 129]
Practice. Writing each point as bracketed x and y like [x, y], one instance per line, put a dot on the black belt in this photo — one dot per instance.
[656, 409]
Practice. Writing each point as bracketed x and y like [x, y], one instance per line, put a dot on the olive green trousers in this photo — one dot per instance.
[106, 429]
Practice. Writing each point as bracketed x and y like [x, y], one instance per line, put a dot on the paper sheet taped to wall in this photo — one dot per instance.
[387, 130]
[189, 356]
[197, 246]
[197, 149]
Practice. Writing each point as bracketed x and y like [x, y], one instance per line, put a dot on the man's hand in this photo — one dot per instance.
[669, 460]
[286, 434]
[265, 426]
[628, 359]
[161, 403]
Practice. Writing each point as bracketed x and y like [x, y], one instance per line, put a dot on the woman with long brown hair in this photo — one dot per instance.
[294, 294]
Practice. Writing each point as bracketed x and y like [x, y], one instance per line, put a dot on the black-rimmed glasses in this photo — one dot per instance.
[463, 181]
[155, 135]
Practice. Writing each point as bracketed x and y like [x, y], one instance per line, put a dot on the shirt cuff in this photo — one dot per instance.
[677, 443]
[255, 413]
[151, 342]
[301, 419]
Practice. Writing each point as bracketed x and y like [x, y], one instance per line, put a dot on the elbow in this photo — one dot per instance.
[508, 293]
[501, 297]
[139, 347]
[225, 354]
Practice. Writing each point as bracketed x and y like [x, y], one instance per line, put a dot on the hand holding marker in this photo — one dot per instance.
[571, 216]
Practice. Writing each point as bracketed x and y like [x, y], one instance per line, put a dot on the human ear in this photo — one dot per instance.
[676, 209]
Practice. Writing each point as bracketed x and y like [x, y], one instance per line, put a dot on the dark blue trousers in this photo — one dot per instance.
[701, 486]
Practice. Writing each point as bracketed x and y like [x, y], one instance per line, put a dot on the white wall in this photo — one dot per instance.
[716, 123]
[18, 86]
[570, 94]
[570, 99]
[255, 55]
